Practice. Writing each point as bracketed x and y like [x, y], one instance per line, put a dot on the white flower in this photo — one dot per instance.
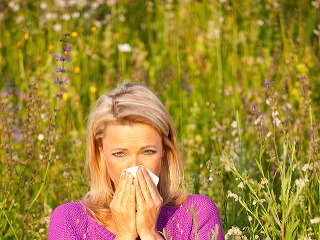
[43, 6]
[315, 220]
[269, 134]
[234, 231]
[234, 124]
[40, 137]
[306, 167]
[57, 27]
[66, 17]
[230, 194]
[260, 22]
[268, 101]
[300, 183]
[241, 185]
[125, 47]
[75, 15]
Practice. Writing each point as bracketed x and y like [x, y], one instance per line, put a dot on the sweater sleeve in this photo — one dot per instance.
[61, 225]
[207, 217]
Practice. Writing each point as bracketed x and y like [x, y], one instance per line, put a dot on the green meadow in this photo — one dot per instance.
[241, 80]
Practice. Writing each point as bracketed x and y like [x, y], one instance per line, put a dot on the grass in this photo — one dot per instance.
[240, 80]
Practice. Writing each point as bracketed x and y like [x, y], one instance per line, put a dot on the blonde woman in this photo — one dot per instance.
[130, 127]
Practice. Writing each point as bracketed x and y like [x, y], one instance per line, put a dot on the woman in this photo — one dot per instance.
[130, 127]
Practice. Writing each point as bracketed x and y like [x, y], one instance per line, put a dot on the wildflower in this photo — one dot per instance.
[300, 183]
[234, 231]
[40, 137]
[65, 96]
[249, 218]
[125, 47]
[20, 19]
[75, 15]
[268, 101]
[230, 194]
[116, 35]
[302, 68]
[93, 28]
[50, 47]
[66, 49]
[43, 6]
[66, 17]
[306, 167]
[60, 82]
[241, 185]
[57, 27]
[76, 69]
[234, 124]
[61, 70]
[26, 36]
[93, 89]
[74, 34]
[315, 220]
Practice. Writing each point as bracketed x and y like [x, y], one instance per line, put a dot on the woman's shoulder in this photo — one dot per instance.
[70, 207]
[69, 211]
[199, 200]
[202, 206]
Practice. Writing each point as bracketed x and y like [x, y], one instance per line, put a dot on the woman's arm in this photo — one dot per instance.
[208, 218]
[61, 224]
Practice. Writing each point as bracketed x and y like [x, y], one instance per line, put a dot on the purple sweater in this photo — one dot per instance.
[71, 221]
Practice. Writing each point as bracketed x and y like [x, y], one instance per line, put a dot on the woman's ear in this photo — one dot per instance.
[100, 149]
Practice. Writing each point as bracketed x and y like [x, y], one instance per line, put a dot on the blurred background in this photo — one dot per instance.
[240, 79]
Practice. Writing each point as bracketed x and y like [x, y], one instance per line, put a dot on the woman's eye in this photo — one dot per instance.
[118, 154]
[149, 152]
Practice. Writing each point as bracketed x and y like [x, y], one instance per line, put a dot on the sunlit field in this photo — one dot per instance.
[241, 80]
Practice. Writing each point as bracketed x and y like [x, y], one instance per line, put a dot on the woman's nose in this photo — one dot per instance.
[135, 161]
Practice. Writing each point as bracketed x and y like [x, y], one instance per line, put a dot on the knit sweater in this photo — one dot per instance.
[72, 221]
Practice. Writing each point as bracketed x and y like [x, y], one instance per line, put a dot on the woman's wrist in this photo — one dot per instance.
[155, 236]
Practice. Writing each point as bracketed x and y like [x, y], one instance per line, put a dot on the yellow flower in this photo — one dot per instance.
[116, 35]
[77, 69]
[65, 96]
[26, 36]
[93, 28]
[19, 43]
[302, 68]
[93, 89]
[74, 34]
[38, 59]
[50, 47]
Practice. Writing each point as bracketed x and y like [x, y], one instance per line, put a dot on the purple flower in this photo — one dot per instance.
[56, 80]
[58, 57]
[62, 70]
[66, 49]
[65, 81]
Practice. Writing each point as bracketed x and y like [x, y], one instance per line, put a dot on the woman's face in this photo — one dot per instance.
[126, 146]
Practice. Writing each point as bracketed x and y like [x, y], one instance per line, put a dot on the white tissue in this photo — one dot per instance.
[133, 171]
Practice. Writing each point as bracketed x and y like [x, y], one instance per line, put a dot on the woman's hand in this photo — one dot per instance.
[123, 208]
[148, 205]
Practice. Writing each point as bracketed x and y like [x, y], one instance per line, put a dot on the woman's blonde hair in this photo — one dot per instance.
[128, 104]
